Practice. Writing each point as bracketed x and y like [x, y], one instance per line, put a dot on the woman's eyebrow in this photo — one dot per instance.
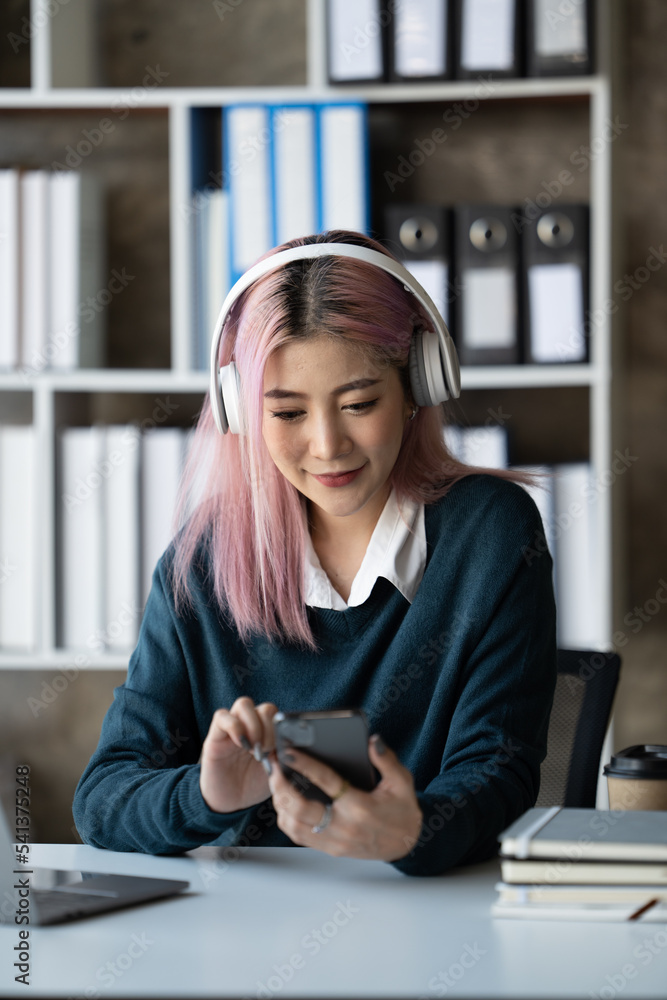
[359, 383]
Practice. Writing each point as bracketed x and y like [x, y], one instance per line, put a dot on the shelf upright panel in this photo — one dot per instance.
[316, 28]
[180, 200]
[45, 508]
[40, 46]
[73, 42]
[600, 323]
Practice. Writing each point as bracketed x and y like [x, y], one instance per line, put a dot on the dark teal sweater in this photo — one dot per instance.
[459, 684]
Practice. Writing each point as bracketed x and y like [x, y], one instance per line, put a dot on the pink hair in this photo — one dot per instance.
[234, 502]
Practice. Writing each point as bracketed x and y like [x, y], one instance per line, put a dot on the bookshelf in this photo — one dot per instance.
[65, 97]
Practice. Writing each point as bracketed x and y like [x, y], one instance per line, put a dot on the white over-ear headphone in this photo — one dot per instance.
[433, 363]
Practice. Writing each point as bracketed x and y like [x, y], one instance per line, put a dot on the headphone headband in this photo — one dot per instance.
[311, 251]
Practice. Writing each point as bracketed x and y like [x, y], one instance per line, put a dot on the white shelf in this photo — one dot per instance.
[166, 379]
[50, 50]
[108, 380]
[387, 93]
[61, 659]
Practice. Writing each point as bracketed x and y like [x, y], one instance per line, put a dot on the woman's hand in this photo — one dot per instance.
[383, 824]
[231, 778]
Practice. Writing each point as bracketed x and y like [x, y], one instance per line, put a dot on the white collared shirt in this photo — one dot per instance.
[394, 552]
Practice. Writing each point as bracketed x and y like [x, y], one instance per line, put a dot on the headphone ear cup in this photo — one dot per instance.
[417, 372]
[427, 368]
[230, 394]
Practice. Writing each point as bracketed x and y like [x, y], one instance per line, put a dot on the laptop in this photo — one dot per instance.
[50, 896]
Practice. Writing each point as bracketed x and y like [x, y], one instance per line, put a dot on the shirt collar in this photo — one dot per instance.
[396, 551]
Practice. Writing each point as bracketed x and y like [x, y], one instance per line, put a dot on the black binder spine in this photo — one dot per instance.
[420, 236]
[556, 19]
[557, 236]
[517, 67]
[485, 240]
[394, 70]
[371, 30]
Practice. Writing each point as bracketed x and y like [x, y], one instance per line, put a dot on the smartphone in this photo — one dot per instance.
[339, 739]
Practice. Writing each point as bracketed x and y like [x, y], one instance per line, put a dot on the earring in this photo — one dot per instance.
[414, 413]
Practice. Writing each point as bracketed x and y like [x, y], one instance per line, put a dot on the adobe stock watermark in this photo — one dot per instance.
[427, 655]
[248, 150]
[423, 148]
[108, 974]
[31, 25]
[84, 486]
[444, 812]
[589, 494]
[99, 641]
[565, 9]
[370, 29]
[447, 979]
[559, 870]
[7, 569]
[222, 7]
[154, 760]
[92, 138]
[43, 357]
[652, 946]
[581, 158]
[625, 288]
[311, 944]
[474, 439]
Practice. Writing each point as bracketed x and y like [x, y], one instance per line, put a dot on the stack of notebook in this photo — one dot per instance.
[584, 864]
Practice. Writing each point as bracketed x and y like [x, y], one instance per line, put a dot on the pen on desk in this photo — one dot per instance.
[643, 909]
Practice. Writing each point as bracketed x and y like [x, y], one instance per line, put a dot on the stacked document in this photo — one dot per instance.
[373, 41]
[292, 171]
[118, 488]
[288, 171]
[566, 496]
[52, 298]
[584, 864]
[18, 537]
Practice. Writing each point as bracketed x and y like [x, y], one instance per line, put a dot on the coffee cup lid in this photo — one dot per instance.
[639, 761]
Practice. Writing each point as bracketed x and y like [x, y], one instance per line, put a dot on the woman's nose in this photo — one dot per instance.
[328, 439]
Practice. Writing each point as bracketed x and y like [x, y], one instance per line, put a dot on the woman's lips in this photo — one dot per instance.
[340, 480]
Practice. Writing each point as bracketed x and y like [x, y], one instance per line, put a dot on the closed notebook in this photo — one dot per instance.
[648, 911]
[588, 834]
[560, 871]
[609, 895]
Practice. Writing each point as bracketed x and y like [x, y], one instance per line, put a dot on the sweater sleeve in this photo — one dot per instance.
[490, 770]
[140, 790]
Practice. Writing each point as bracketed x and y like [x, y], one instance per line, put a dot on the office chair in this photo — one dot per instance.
[585, 688]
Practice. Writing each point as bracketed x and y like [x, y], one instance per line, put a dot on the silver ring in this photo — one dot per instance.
[324, 822]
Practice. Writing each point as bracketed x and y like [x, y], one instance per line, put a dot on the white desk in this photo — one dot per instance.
[383, 935]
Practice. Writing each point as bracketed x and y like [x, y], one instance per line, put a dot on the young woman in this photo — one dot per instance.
[333, 555]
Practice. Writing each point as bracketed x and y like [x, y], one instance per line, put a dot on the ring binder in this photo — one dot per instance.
[486, 260]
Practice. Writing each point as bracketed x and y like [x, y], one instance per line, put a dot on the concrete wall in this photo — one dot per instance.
[262, 42]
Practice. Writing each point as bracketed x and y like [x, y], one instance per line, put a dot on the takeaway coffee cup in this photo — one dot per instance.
[637, 778]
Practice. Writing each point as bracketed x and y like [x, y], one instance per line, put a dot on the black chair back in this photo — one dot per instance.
[585, 689]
